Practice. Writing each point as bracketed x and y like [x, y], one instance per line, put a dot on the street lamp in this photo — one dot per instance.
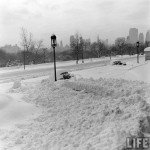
[54, 44]
[137, 45]
[109, 52]
[24, 58]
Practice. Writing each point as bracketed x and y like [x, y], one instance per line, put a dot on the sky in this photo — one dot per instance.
[107, 18]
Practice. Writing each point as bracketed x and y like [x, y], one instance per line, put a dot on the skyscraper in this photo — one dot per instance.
[128, 40]
[106, 42]
[133, 35]
[141, 38]
[147, 39]
[72, 38]
[61, 44]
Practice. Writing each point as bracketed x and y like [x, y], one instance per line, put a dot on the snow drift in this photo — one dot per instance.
[85, 114]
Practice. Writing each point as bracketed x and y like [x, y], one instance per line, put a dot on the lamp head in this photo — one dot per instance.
[53, 41]
[137, 44]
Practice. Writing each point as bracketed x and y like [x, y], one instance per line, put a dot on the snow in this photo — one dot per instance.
[83, 114]
[14, 110]
[147, 49]
[40, 66]
[132, 71]
[77, 114]
[58, 64]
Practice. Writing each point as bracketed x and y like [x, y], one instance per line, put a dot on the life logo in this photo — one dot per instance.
[137, 143]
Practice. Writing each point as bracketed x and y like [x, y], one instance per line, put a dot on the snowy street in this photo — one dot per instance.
[133, 71]
[32, 71]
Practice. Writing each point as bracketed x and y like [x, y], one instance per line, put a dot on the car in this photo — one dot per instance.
[64, 75]
[118, 62]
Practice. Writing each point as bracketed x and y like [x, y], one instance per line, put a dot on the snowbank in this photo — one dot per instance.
[85, 114]
[132, 71]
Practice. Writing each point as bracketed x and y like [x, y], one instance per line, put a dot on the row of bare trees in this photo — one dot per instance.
[31, 46]
[80, 48]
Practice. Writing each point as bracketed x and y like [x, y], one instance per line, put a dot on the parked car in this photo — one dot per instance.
[64, 75]
[118, 62]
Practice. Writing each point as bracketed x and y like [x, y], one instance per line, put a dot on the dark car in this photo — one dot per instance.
[118, 63]
[65, 75]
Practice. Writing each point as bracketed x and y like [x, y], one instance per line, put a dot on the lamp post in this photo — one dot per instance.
[24, 58]
[82, 57]
[137, 45]
[77, 51]
[54, 44]
[82, 46]
[109, 52]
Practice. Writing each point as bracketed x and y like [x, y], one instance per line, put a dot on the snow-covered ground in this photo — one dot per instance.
[46, 65]
[74, 115]
[13, 109]
[59, 64]
[132, 71]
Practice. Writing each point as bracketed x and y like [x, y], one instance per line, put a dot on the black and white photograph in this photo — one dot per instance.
[74, 74]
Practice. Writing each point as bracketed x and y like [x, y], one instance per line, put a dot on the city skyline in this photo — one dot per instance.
[107, 18]
[128, 39]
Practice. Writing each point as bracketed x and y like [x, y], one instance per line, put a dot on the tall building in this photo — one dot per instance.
[133, 35]
[128, 40]
[72, 38]
[147, 39]
[61, 44]
[106, 42]
[141, 38]
[67, 46]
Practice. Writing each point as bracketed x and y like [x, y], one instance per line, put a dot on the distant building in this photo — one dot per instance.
[61, 44]
[11, 48]
[72, 38]
[141, 38]
[106, 42]
[133, 35]
[128, 40]
[57, 44]
[147, 39]
[67, 46]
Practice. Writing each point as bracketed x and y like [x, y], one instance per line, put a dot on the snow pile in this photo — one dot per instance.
[17, 87]
[17, 84]
[85, 114]
[20, 86]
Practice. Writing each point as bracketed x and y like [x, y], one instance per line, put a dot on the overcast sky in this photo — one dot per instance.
[106, 18]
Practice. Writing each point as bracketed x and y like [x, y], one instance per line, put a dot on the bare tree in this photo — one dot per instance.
[39, 45]
[81, 47]
[26, 42]
[99, 47]
[120, 43]
[44, 54]
[74, 44]
[26, 39]
[38, 48]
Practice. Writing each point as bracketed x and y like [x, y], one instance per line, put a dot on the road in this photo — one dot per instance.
[23, 74]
